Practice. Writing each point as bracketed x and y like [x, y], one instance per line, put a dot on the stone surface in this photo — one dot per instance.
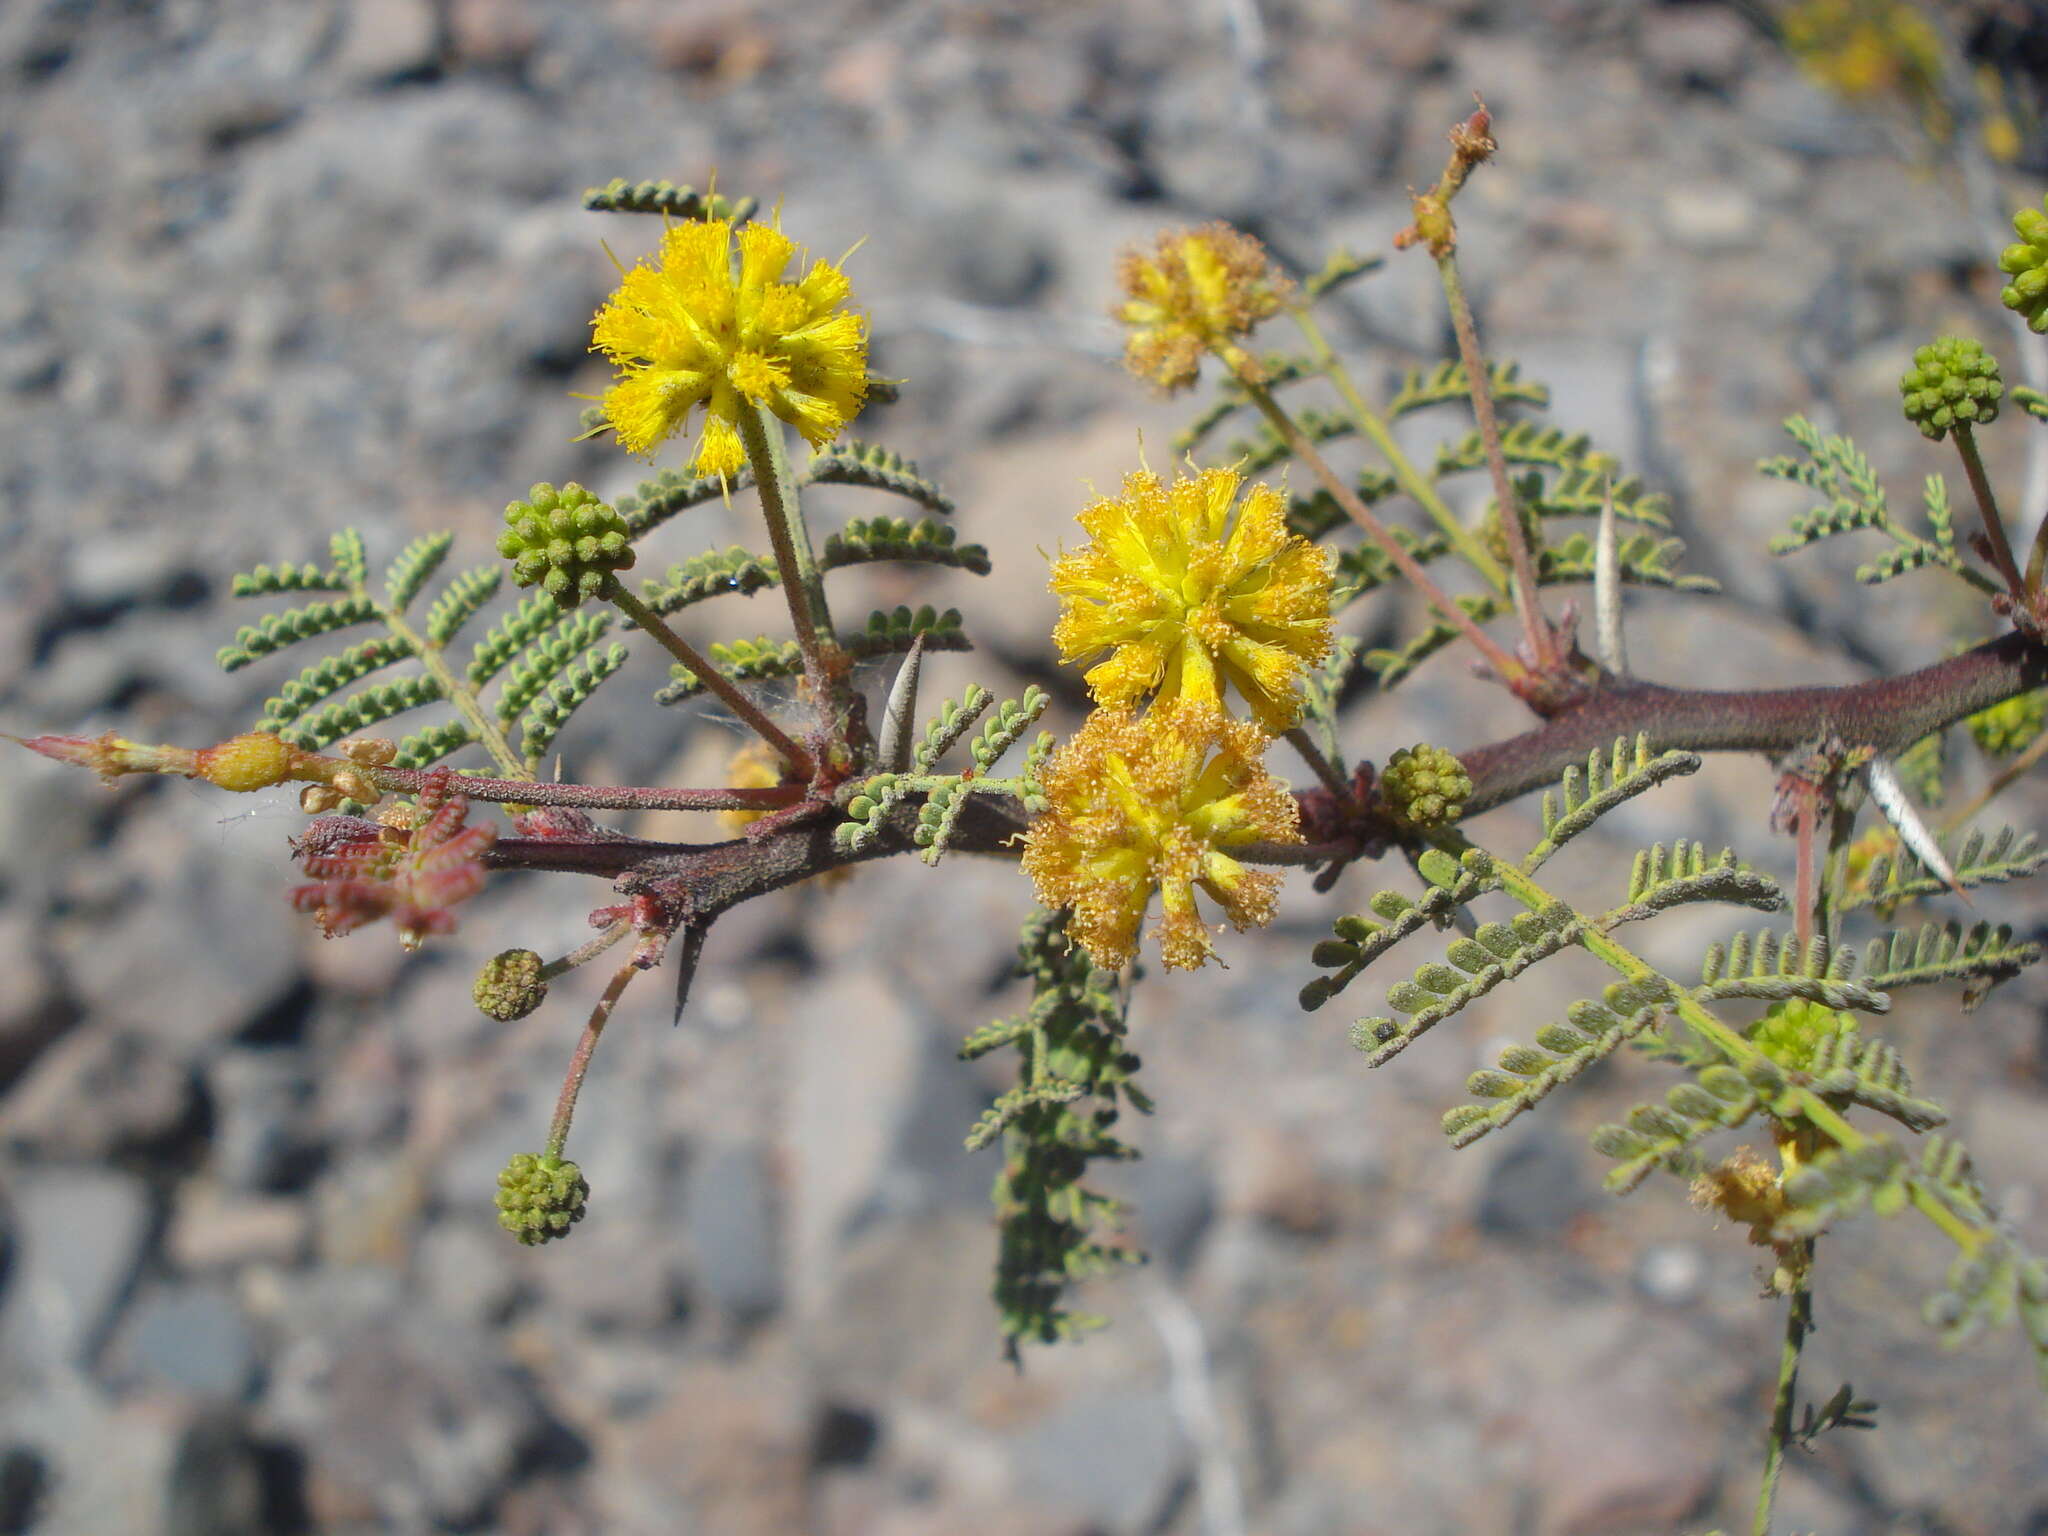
[78, 1236]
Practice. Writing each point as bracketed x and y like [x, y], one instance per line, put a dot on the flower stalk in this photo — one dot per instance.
[715, 682]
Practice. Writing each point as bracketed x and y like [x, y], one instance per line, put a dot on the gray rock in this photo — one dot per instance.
[80, 1235]
[1534, 1186]
[193, 1338]
[261, 1138]
[420, 1420]
[101, 1090]
[729, 1217]
[1113, 1455]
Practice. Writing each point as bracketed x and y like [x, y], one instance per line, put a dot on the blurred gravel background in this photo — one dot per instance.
[273, 268]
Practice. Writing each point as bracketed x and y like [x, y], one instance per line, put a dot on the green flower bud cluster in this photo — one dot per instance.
[540, 1198]
[1424, 787]
[2010, 725]
[510, 986]
[2027, 265]
[1953, 382]
[566, 542]
[1792, 1031]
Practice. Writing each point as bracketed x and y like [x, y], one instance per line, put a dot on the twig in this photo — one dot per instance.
[1798, 1323]
[1298, 444]
[579, 1064]
[1536, 630]
[715, 681]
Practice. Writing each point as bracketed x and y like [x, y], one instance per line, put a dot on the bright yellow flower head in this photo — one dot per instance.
[698, 328]
[1186, 596]
[1196, 293]
[1155, 801]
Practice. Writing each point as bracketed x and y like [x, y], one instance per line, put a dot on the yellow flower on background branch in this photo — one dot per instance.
[1188, 588]
[1138, 803]
[1197, 292]
[697, 327]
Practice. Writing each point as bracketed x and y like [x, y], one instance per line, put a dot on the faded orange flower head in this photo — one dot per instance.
[1196, 292]
[699, 327]
[1138, 803]
[1188, 588]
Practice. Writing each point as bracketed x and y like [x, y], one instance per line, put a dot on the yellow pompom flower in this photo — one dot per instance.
[1186, 596]
[698, 327]
[1196, 292]
[1156, 801]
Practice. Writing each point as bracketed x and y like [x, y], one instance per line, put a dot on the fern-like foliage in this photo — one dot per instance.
[1805, 1073]
[888, 632]
[1074, 1075]
[545, 659]
[941, 798]
[1854, 501]
[851, 462]
[1893, 879]
[655, 501]
[1339, 268]
[864, 540]
[1421, 388]
[711, 574]
[1610, 779]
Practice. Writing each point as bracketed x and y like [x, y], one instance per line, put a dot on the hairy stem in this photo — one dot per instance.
[585, 952]
[719, 685]
[579, 1064]
[1798, 1324]
[1299, 738]
[803, 584]
[1411, 480]
[592, 797]
[1537, 634]
[1299, 445]
[1887, 714]
[456, 691]
[1987, 506]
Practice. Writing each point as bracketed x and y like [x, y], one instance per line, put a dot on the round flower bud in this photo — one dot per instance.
[510, 986]
[1424, 787]
[1791, 1033]
[255, 760]
[540, 1198]
[2027, 265]
[1953, 382]
[566, 542]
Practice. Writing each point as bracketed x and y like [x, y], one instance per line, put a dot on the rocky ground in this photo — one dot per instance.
[272, 269]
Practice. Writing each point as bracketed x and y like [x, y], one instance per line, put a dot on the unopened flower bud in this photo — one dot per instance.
[540, 1198]
[510, 986]
[253, 760]
[1424, 787]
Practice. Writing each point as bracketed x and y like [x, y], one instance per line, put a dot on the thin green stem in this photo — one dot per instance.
[1298, 444]
[1541, 639]
[1731, 1043]
[579, 1064]
[803, 583]
[585, 952]
[1987, 505]
[1411, 479]
[720, 686]
[456, 691]
[2003, 780]
[1798, 1324]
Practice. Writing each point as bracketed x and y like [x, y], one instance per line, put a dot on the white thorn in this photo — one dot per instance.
[1607, 590]
[893, 751]
[1890, 796]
